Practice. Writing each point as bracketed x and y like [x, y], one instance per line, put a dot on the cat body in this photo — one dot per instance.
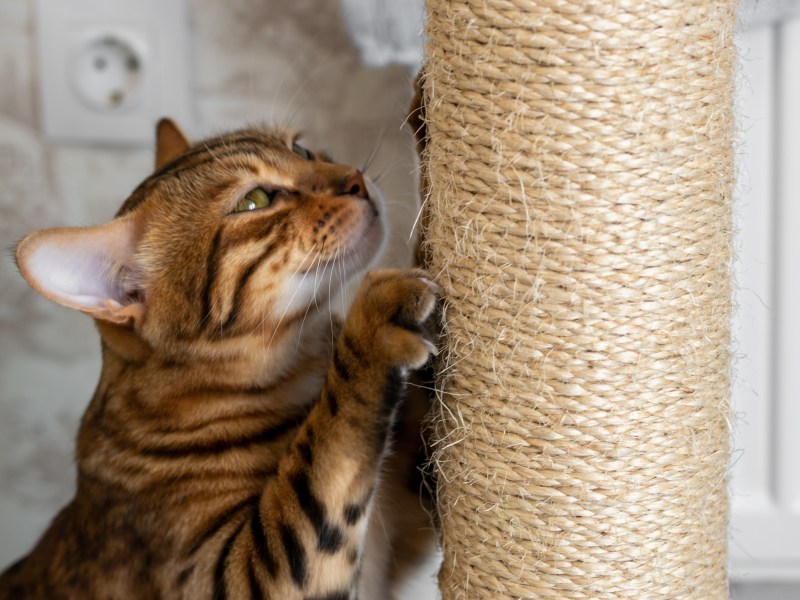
[234, 444]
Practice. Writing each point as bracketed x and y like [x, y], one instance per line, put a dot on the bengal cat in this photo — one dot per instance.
[234, 444]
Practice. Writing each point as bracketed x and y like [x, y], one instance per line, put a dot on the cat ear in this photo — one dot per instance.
[88, 269]
[170, 142]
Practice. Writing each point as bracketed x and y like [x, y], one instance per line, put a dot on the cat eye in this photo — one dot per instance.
[301, 152]
[253, 200]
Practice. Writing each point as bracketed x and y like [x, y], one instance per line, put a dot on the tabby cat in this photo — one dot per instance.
[234, 445]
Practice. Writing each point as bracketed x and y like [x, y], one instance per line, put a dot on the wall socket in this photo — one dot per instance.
[109, 69]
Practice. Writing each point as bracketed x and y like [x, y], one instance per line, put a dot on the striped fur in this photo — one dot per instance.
[234, 443]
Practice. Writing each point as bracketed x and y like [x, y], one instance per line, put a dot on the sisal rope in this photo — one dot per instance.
[579, 223]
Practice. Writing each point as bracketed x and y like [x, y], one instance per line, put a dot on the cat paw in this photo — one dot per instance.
[390, 311]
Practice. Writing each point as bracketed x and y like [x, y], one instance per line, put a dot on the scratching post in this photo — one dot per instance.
[579, 222]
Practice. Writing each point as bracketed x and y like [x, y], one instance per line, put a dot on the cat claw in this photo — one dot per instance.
[432, 348]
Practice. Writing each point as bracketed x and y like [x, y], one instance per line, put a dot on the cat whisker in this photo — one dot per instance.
[387, 168]
[314, 294]
[330, 283]
[330, 300]
[213, 154]
[294, 295]
[374, 152]
[415, 224]
[279, 88]
[354, 268]
[300, 106]
[380, 175]
[294, 67]
[342, 274]
[332, 265]
[268, 316]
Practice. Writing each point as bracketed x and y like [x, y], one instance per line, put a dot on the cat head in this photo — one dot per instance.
[229, 236]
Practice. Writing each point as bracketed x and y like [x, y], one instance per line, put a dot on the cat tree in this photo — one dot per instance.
[579, 222]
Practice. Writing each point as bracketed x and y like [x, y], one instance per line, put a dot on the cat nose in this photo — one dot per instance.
[354, 185]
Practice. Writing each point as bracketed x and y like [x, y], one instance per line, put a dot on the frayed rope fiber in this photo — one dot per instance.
[580, 162]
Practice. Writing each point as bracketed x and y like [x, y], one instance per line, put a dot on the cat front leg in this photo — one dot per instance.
[307, 536]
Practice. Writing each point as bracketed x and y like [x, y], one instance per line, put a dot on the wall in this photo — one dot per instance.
[765, 478]
[251, 60]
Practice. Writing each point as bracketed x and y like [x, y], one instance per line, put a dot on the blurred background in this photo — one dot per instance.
[84, 81]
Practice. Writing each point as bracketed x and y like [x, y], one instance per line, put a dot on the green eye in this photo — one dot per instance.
[301, 152]
[253, 200]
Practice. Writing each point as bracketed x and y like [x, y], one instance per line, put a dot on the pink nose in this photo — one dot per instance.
[354, 185]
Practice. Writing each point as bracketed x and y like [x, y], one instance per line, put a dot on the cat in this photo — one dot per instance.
[234, 445]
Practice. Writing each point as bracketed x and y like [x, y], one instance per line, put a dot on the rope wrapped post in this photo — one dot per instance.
[580, 165]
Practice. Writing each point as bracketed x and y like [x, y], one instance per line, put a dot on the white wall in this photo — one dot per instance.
[765, 527]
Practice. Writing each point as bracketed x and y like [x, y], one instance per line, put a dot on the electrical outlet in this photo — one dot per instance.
[109, 69]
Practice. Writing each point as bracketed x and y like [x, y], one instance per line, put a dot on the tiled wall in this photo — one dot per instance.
[251, 60]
